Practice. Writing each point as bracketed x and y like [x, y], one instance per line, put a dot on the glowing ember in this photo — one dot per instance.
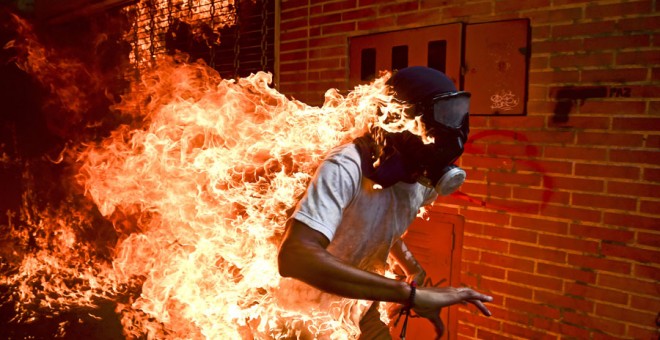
[198, 194]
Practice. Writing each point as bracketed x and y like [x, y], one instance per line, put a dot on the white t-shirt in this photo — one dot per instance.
[360, 221]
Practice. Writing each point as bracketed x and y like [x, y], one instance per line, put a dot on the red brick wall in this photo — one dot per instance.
[568, 241]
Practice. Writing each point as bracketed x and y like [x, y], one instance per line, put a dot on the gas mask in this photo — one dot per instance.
[446, 119]
[444, 113]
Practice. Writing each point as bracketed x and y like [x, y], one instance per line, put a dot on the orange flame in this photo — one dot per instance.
[198, 191]
[217, 168]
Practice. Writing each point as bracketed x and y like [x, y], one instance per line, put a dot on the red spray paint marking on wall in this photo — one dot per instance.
[530, 151]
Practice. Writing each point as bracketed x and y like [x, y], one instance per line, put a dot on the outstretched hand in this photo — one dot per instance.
[429, 301]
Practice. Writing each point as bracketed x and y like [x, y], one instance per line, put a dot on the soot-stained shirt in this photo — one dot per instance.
[360, 220]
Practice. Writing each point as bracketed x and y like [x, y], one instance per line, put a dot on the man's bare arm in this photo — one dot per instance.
[303, 256]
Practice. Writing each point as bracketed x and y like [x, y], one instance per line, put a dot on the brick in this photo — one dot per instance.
[636, 124]
[544, 196]
[637, 24]
[538, 62]
[507, 262]
[505, 288]
[584, 29]
[328, 41]
[338, 28]
[484, 270]
[628, 284]
[389, 21]
[329, 63]
[607, 171]
[513, 5]
[645, 303]
[294, 24]
[609, 139]
[633, 189]
[601, 232]
[616, 42]
[533, 280]
[577, 122]
[600, 11]
[648, 332]
[571, 274]
[336, 51]
[544, 167]
[543, 16]
[648, 239]
[630, 252]
[573, 332]
[487, 217]
[593, 322]
[572, 213]
[613, 107]
[467, 314]
[397, 8]
[513, 123]
[557, 46]
[577, 184]
[510, 316]
[291, 4]
[635, 156]
[569, 243]
[539, 224]
[638, 58]
[653, 141]
[532, 308]
[487, 244]
[512, 150]
[339, 6]
[537, 253]
[605, 202]
[515, 178]
[325, 19]
[649, 207]
[553, 77]
[359, 14]
[599, 263]
[420, 17]
[624, 75]
[293, 35]
[561, 301]
[548, 325]
[512, 206]
[525, 332]
[463, 10]
[597, 293]
[511, 234]
[625, 314]
[581, 153]
[651, 174]
[293, 45]
[581, 60]
[632, 221]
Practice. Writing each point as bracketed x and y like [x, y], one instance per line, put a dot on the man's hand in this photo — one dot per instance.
[429, 301]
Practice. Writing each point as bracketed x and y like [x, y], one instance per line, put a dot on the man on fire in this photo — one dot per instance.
[364, 196]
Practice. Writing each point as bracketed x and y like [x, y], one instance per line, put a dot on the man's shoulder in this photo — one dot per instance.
[344, 152]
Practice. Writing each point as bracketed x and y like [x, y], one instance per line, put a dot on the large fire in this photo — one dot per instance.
[197, 189]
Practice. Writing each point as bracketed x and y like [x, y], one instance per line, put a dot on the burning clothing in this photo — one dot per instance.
[360, 219]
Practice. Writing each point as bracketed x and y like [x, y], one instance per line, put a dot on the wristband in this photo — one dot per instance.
[413, 291]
